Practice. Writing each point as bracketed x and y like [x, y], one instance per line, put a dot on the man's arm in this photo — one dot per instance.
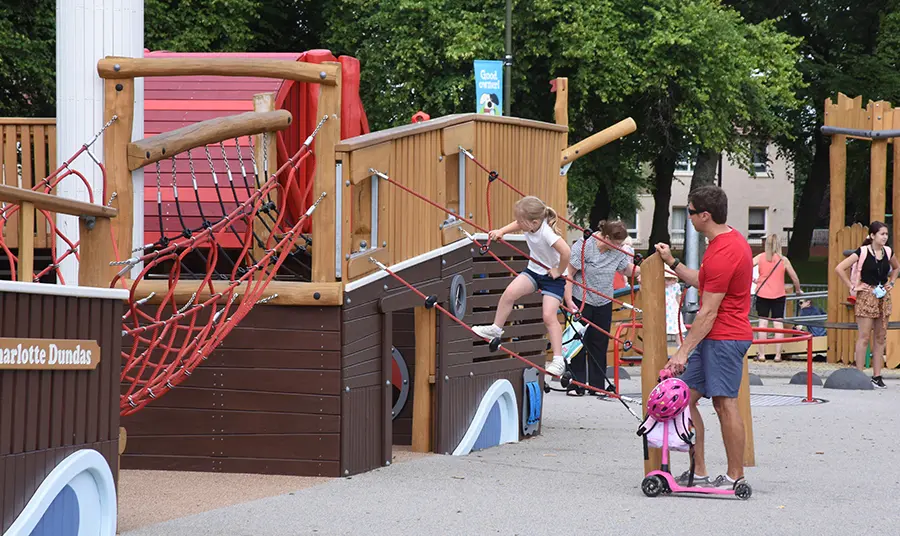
[701, 327]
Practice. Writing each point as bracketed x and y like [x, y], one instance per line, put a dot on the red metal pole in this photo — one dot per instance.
[809, 369]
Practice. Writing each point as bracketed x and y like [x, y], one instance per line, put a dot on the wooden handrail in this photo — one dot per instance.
[113, 67]
[166, 145]
[17, 196]
[289, 292]
[595, 141]
[27, 120]
[374, 138]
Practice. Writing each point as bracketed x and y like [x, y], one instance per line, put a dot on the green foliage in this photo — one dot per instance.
[27, 58]
[200, 25]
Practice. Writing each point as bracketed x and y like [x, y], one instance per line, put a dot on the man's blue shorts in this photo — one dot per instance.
[546, 284]
[715, 368]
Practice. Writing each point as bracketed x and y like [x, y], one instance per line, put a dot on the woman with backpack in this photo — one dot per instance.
[770, 294]
[870, 272]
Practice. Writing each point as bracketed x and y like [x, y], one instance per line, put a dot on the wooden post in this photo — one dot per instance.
[561, 108]
[893, 337]
[25, 269]
[265, 152]
[118, 100]
[323, 228]
[838, 188]
[746, 415]
[387, 364]
[426, 346]
[653, 302]
[96, 250]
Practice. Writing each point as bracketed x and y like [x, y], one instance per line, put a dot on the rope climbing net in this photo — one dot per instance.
[164, 340]
[50, 271]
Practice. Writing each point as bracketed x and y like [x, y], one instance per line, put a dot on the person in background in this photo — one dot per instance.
[770, 294]
[877, 273]
[601, 263]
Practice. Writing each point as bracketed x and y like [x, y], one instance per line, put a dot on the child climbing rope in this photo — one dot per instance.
[548, 248]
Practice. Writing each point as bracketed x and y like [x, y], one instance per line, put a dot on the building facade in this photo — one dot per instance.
[759, 203]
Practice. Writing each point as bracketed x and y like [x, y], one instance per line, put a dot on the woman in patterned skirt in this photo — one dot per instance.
[876, 275]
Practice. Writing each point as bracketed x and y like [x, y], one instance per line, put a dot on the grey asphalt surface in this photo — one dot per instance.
[821, 469]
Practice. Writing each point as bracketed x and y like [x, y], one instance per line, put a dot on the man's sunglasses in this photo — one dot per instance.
[694, 212]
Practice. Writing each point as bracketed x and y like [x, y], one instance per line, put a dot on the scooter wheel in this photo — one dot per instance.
[743, 490]
[565, 379]
[652, 486]
[547, 388]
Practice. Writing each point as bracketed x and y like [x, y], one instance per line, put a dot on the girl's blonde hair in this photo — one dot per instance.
[772, 246]
[531, 208]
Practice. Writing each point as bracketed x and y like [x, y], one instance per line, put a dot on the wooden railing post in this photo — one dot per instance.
[653, 302]
[25, 269]
[118, 101]
[838, 184]
[266, 154]
[324, 248]
[423, 402]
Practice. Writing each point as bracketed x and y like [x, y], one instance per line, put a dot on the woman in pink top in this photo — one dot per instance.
[770, 294]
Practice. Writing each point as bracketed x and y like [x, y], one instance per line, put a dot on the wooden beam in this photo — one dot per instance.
[838, 188]
[407, 299]
[25, 269]
[118, 101]
[458, 135]
[266, 155]
[166, 145]
[892, 352]
[561, 107]
[598, 140]
[112, 67]
[387, 398]
[28, 121]
[42, 201]
[289, 293]
[323, 225]
[426, 345]
[361, 265]
[375, 156]
[746, 414]
[95, 253]
[653, 302]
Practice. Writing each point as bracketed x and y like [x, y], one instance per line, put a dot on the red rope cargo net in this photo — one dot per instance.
[165, 342]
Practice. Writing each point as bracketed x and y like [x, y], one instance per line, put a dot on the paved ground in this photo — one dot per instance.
[821, 469]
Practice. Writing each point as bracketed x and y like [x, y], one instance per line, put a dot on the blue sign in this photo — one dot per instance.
[489, 87]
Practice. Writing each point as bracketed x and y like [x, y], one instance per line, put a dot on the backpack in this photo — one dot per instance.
[857, 267]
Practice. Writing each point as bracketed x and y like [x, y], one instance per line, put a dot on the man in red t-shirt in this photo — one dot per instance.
[712, 355]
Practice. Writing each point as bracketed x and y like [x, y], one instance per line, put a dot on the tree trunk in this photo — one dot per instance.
[705, 169]
[601, 208]
[704, 174]
[663, 171]
[808, 211]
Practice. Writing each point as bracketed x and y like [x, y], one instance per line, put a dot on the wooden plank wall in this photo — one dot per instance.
[267, 401]
[841, 342]
[28, 155]
[527, 158]
[45, 416]
[466, 367]
[366, 435]
[525, 155]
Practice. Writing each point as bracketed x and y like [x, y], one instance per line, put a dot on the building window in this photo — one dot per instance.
[756, 224]
[630, 221]
[685, 163]
[678, 221]
[761, 162]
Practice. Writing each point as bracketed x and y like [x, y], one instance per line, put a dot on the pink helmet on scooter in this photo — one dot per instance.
[668, 399]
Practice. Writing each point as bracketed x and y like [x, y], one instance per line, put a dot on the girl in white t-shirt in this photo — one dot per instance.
[545, 245]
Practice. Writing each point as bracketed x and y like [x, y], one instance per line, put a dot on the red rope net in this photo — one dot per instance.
[164, 342]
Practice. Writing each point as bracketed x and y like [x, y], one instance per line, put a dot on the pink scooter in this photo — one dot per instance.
[668, 426]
